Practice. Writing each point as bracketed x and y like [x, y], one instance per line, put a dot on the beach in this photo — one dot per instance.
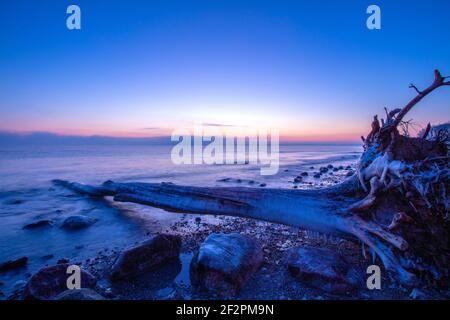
[27, 196]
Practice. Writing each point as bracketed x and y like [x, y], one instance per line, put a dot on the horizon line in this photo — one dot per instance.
[30, 135]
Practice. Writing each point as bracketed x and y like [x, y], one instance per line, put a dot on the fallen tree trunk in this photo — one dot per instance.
[319, 210]
[403, 218]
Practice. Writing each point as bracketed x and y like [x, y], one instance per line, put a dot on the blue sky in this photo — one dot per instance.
[144, 68]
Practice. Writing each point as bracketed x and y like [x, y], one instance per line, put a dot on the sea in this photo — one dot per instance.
[28, 195]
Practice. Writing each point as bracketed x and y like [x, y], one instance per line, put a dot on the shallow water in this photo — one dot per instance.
[27, 195]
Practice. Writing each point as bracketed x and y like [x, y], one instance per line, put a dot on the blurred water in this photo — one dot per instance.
[27, 194]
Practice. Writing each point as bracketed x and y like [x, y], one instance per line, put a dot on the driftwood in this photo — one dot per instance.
[397, 203]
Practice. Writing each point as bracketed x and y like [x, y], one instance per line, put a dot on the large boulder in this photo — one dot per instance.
[146, 256]
[48, 282]
[225, 262]
[79, 294]
[77, 222]
[323, 269]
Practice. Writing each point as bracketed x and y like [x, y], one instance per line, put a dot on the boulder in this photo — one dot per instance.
[225, 262]
[13, 264]
[79, 294]
[77, 222]
[48, 282]
[146, 256]
[323, 269]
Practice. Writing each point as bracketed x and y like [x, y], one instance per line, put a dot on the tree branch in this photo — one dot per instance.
[438, 82]
[415, 88]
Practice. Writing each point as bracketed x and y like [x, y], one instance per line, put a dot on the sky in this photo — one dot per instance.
[311, 69]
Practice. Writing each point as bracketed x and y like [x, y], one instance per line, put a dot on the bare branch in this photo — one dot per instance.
[415, 88]
[438, 82]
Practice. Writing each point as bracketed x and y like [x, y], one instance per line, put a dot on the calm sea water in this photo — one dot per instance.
[27, 194]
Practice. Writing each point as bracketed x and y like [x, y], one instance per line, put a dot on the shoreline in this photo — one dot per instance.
[171, 281]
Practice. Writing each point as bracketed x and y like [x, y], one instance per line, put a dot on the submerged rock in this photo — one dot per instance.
[13, 264]
[146, 256]
[38, 224]
[14, 201]
[350, 173]
[48, 257]
[77, 222]
[225, 262]
[80, 294]
[48, 282]
[63, 261]
[323, 269]
[323, 169]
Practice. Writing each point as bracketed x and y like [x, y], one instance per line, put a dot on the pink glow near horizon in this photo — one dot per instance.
[286, 135]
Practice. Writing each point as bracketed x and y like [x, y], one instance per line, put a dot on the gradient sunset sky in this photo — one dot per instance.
[144, 68]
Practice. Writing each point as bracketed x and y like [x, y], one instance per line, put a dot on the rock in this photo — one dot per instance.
[62, 261]
[304, 174]
[323, 169]
[19, 284]
[38, 224]
[317, 175]
[48, 282]
[109, 293]
[77, 222]
[225, 262]
[14, 201]
[146, 256]
[419, 294]
[79, 294]
[169, 294]
[350, 173]
[330, 166]
[263, 185]
[298, 180]
[323, 269]
[48, 257]
[13, 264]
